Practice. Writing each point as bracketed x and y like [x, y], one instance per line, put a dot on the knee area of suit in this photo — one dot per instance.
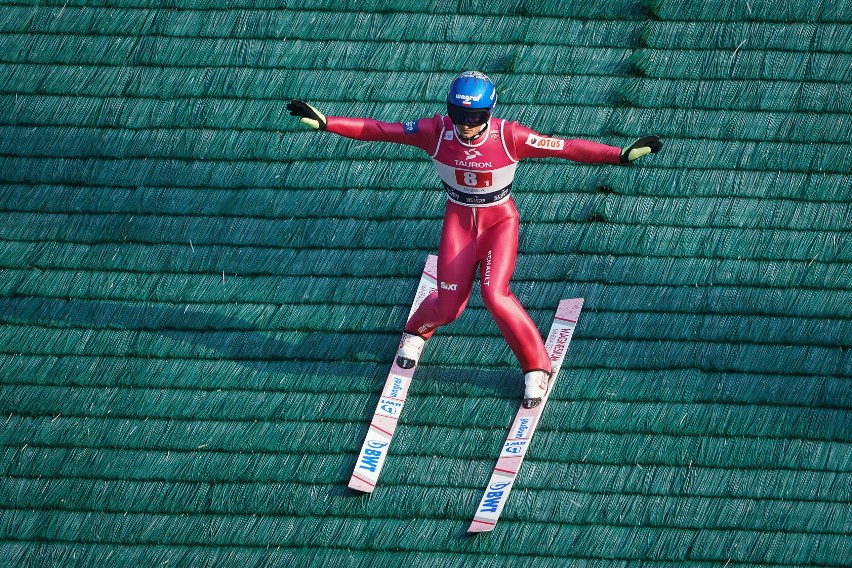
[449, 314]
[495, 300]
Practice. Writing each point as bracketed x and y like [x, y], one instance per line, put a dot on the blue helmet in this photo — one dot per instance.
[471, 99]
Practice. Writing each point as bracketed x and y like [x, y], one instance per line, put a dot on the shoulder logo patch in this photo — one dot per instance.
[410, 127]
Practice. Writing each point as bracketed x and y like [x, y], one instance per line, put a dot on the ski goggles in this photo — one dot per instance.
[468, 116]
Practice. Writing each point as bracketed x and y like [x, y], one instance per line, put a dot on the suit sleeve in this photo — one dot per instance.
[526, 143]
[423, 133]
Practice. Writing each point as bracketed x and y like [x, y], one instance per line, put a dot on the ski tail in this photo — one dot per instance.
[371, 459]
[525, 423]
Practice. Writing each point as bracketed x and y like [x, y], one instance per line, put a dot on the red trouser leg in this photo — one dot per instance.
[499, 249]
[490, 236]
[456, 269]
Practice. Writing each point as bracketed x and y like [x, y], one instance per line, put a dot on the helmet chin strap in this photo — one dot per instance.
[474, 137]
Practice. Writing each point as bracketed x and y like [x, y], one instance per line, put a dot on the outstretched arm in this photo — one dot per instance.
[530, 144]
[412, 133]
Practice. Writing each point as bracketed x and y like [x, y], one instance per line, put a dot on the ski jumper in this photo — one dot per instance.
[480, 221]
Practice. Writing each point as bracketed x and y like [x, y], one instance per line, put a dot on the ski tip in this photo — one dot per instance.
[575, 303]
[431, 264]
[570, 309]
[477, 527]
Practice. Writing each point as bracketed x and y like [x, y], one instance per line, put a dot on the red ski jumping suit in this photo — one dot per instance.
[481, 221]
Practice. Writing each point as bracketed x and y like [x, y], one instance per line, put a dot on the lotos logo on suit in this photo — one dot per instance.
[545, 143]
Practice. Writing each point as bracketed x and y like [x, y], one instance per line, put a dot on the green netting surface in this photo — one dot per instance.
[199, 298]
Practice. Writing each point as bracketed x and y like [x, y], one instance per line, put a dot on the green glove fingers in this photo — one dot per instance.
[637, 153]
[643, 146]
[309, 115]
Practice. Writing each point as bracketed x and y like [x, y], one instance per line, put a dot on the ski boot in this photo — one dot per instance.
[536, 385]
[410, 348]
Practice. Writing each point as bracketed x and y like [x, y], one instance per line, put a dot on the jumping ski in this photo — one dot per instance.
[382, 427]
[525, 423]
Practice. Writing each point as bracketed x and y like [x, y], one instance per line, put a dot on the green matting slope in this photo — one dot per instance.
[200, 299]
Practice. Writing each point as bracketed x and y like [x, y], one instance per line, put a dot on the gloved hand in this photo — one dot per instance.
[645, 145]
[310, 116]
